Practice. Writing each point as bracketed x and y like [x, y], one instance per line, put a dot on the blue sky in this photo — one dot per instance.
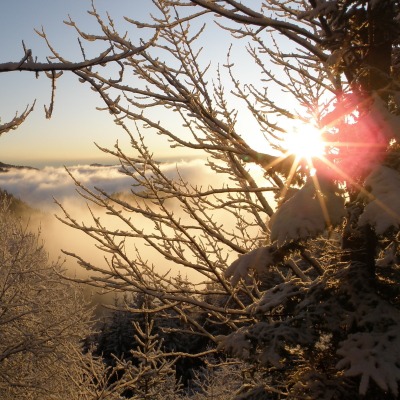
[75, 125]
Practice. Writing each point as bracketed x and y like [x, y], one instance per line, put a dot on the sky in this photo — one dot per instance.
[68, 137]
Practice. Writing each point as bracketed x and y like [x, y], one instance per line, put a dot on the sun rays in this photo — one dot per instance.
[305, 142]
[339, 160]
[342, 160]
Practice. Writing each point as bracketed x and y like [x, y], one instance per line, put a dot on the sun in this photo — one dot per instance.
[304, 141]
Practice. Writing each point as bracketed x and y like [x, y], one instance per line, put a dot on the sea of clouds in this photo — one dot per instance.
[40, 187]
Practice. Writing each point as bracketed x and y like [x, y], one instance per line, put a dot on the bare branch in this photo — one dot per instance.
[17, 120]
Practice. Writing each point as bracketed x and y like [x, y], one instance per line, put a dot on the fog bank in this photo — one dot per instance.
[40, 187]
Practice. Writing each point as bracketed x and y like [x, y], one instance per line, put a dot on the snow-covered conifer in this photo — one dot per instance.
[293, 287]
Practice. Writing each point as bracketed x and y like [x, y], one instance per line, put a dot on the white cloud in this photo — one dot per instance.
[39, 187]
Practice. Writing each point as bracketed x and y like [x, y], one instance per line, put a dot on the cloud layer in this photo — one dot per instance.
[38, 188]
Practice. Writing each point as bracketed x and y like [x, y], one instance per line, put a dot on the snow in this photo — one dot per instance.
[389, 256]
[385, 122]
[333, 303]
[308, 213]
[257, 260]
[374, 351]
[373, 355]
[278, 295]
[240, 343]
[236, 344]
[383, 211]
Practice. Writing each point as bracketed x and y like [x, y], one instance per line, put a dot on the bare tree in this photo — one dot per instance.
[307, 302]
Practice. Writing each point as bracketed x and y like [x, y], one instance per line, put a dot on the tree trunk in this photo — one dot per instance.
[359, 243]
[380, 42]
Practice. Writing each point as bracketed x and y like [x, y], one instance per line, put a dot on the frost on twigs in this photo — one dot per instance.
[257, 260]
[383, 211]
[16, 121]
[308, 213]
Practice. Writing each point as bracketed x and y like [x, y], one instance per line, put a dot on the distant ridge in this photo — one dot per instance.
[17, 206]
[7, 167]
[100, 165]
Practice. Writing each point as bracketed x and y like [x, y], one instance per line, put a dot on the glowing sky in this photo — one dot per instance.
[68, 138]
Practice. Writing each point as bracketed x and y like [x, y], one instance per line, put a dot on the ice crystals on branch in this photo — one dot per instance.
[307, 213]
[383, 211]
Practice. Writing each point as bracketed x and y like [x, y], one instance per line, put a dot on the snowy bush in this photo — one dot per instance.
[43, 318]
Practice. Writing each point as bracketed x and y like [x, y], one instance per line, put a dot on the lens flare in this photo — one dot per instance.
[305, 142]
